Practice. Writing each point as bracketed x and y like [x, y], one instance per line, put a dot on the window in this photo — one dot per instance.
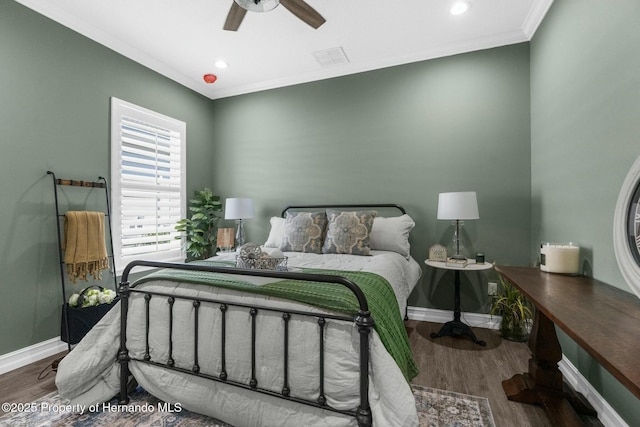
[148, 184]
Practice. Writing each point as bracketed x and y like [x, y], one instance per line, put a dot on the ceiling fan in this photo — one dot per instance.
[298, 7]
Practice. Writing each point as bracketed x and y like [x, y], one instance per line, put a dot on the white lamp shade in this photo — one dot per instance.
[238, 208]
[458, 205]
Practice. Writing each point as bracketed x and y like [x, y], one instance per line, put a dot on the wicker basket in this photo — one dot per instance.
[251, 256]
[266, 263]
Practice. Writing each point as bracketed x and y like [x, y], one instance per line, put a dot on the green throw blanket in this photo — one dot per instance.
[380, 297]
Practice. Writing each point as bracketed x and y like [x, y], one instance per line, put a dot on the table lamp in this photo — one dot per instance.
[239, 209]
[457, 207]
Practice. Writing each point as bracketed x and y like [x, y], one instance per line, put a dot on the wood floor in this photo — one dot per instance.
[458, 364]
[23, 386]
[446, 363]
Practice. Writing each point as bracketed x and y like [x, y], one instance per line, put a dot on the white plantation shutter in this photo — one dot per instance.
[147, 178]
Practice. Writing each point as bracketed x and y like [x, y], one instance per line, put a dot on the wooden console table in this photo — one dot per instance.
[602, 319]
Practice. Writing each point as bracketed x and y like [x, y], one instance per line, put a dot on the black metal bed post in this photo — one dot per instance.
[123, 353]
[365, 323]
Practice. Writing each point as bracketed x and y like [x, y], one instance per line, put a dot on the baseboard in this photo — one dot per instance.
[476, 320]
[606, 414]
[33, 353]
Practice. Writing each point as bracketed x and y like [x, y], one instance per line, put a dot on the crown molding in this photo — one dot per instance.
[535, 17]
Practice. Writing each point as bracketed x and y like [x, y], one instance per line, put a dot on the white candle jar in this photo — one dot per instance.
[560, 258]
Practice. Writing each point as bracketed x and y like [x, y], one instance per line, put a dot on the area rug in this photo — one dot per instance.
[440, 408]
[436, 408]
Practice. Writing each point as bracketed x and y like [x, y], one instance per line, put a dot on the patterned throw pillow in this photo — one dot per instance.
[348, 232]
[304, 232]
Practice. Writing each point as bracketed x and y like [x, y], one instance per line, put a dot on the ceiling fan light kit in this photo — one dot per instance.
[299, 8]
[258, 5]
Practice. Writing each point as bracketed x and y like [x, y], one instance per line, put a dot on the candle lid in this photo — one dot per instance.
[552, 244]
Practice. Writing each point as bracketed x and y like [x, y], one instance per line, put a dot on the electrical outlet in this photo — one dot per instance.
[492, 288]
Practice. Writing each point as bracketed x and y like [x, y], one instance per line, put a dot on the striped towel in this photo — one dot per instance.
[84, 245]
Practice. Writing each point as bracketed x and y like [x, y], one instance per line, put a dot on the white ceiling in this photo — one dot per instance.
[182, 39]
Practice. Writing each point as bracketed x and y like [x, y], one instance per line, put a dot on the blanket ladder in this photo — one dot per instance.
[100, 184]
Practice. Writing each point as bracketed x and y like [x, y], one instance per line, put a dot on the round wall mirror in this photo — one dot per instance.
[626, 228]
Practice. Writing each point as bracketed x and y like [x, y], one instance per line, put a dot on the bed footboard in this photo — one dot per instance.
[363, 321]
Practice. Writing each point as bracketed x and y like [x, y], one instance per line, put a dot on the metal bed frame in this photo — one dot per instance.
[362, 320]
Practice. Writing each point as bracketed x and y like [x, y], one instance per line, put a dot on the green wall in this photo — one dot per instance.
[402, 135]
[55, 87]
[584, 137]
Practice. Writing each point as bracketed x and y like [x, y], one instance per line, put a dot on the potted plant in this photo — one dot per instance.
[199, 231]
[515, 309]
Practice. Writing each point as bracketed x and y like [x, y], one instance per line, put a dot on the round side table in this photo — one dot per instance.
[455, 327]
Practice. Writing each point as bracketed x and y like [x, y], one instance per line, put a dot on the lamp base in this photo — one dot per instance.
[458, 247]
[240, 234]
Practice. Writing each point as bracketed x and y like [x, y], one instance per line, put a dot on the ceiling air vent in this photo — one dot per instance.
[329, 57]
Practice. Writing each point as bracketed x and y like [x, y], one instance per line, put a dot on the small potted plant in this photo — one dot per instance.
[199, 231]
[515, 309]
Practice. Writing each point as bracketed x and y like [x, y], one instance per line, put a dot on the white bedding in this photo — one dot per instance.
[90, 373]
[401, 273]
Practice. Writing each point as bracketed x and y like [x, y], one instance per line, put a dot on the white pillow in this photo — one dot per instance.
[392, 234]
[276, 233]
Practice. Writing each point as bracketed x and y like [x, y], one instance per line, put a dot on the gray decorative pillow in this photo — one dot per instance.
[304, 232]
[392, 234]
[348, 232]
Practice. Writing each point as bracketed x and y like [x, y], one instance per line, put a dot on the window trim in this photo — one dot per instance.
[120, 108]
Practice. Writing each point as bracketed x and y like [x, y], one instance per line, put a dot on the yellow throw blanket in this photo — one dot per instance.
[84, 245]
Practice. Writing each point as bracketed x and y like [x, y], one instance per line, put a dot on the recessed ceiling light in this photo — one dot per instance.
[459, 8]
[221, 64]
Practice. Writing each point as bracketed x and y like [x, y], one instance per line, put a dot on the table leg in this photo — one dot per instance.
[543, 384]
[456, 327]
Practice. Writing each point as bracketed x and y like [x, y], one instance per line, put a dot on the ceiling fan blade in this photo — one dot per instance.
[305, 12]
[234, 18]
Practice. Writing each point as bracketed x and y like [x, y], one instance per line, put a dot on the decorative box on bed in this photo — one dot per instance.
[314, 346]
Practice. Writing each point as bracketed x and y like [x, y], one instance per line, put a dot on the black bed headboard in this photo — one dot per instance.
[359, 206]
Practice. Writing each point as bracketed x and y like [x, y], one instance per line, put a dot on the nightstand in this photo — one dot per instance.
[456, 327]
